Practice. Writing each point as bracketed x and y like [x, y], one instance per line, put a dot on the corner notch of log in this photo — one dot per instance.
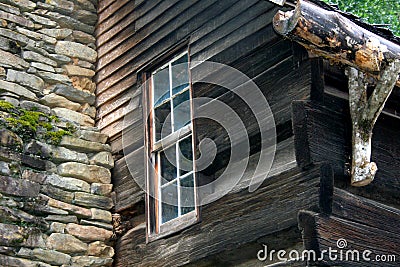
[332, 36]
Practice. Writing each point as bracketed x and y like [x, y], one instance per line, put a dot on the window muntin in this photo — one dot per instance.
[172, 144]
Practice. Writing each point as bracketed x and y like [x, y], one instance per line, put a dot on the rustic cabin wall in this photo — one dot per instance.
[132, 35]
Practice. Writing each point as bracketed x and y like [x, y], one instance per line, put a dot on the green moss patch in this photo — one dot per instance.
[31, 124]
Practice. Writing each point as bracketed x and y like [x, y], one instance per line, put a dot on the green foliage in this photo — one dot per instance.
[31, 124]
[5, 106]
[55, 137]
[373, 11]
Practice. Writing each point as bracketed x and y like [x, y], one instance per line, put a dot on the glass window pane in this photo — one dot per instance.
[181, 110]
[180, 74]
[187, 194]
[161, 85]
[168, 165]
[169, 206]
[185, 155]
[162, 120]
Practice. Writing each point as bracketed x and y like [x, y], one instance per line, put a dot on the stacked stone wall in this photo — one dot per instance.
[55, 180]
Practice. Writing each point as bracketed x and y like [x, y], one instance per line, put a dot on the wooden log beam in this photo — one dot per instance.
[345, 230]
[330, 35]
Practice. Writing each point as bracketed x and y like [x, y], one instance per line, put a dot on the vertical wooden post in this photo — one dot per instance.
[364, 112]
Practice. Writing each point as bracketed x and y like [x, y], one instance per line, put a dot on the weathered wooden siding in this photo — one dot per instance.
[237, 33]
[133, 34]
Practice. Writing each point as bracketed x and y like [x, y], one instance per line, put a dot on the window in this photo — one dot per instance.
[172, 181]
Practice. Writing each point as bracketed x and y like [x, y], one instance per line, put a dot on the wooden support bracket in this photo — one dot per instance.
[364, 112]
[330, 35]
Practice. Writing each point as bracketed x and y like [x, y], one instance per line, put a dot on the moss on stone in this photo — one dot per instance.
[32, 124]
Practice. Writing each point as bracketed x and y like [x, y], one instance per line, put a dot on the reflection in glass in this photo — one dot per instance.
[161, 122]
[161, 85]
[168, 165]
[169, 194]
[180, 74]
[185, 156]
[181, 110]
[187, 194]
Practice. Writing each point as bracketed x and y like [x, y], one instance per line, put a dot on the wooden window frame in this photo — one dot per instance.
[155, 229]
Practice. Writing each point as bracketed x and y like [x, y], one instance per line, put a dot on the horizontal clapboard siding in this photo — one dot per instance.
[132, 34]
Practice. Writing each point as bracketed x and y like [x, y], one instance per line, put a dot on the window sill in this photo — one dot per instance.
[174, 226]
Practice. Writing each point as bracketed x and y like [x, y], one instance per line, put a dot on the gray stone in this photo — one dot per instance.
[104, 159]
[96, 201]
[79, 211]
[57, 193]
[88, 173]
[26, 79]
[100, 249]
[10, 139]
[12, 100]
[73, 116]
[53, 78]
[101, 189]
[10, 261]
[10, 234]
[38, 47]
[83, 145]
[55, 153]
[24, 5]
[17, 19]
[67, 183]
[63, 6]
[4, 169]
[41, 20]
[78, 50]
[91, 261]
[60, 58]
[31, 70]
[18, 187]
[68, 22]
[78, 71]
[82, 37]
[29, 105]
[59, 34]
[92, 136]
[37, 177]
[60, 71]
[9, 9]
[9, 60]
[86, 5]
[66, 243]
[17, 89]
[85, 16]
[21, 39]
[56, 227]
[88, 110]
[50, 256]
[74, 95]
[53, 100]
[37, 36]
[85, 64]
[41, 66]
[88, 233]
[62, 218]
[101, 215]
